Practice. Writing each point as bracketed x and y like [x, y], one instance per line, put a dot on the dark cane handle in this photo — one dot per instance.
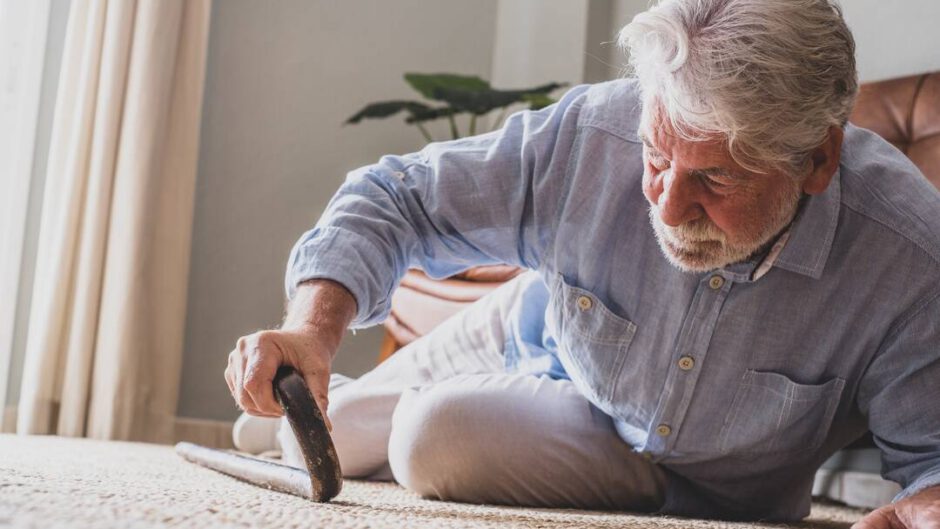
[312, 435]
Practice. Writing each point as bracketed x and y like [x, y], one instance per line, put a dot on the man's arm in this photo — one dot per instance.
[899, 393]
[479, 200]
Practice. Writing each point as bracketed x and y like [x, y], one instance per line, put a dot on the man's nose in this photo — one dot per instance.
[678, 201]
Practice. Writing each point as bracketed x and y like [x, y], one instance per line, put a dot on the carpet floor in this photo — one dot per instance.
[58, 482]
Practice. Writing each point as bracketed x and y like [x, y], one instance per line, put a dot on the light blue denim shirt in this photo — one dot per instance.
[739, 387]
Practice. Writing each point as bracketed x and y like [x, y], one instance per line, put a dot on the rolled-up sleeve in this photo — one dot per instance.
[899, 393]
[478, 200]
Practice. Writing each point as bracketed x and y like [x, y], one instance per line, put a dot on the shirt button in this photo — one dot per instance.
[399, 175]
[716, 282]
[585, 303]
[663, 430]
[686, 363]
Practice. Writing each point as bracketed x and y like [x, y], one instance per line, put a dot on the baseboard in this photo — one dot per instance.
[206, 432]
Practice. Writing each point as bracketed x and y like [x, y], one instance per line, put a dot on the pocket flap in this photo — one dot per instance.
[583, 313]
[771, 413]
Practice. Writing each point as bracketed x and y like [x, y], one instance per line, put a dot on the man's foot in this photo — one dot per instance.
[255, 435]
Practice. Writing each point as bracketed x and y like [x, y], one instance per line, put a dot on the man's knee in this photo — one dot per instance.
[436, 441]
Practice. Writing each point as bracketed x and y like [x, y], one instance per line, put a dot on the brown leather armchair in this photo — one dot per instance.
[420, 303]
[904, 111]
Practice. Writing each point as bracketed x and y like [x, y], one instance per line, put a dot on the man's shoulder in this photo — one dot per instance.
[884, 187]
[614, 107]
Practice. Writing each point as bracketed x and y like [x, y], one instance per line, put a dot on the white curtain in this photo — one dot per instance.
[105, 339]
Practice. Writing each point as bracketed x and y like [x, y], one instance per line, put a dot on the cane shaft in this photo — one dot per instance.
[267, 474]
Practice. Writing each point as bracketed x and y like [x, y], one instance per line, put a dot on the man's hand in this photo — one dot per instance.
[920, 511]
[315, 322]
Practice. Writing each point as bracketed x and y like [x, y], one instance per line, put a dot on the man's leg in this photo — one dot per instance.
[517, 440]
[361, 409]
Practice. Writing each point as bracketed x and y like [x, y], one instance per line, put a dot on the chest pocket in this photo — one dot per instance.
[771, 414]
[593, 341]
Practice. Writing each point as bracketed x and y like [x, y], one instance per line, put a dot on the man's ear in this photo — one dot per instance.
[824, 162]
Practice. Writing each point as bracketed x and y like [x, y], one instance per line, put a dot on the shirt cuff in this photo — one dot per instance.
[351, 260]
[929, 479]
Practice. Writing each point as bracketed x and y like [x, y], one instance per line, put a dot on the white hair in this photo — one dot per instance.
[769, 75]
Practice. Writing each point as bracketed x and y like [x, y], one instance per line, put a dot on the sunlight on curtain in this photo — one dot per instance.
[107, 315]
[23, 27]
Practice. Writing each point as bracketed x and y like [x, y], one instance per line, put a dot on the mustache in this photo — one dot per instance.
[696, 231]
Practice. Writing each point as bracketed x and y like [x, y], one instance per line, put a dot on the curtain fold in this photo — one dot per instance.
[105, 339]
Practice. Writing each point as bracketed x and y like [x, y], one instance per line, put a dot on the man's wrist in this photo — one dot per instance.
[322, 306]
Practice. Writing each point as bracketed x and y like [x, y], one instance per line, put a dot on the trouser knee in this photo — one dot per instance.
[436, 447]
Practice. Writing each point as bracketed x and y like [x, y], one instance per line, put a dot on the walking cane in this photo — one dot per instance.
[323, 479]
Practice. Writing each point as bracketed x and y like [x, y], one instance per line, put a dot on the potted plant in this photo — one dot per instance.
[420, 303]
[452, 95]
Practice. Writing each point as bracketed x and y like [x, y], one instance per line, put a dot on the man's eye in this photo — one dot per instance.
[715, 181]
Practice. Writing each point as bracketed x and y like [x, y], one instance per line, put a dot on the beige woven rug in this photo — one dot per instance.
[59, 482]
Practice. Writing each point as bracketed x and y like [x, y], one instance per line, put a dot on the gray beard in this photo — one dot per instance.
[703, 248]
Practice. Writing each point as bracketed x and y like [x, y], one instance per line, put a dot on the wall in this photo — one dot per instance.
[572, 41]
[894, 39]
[281, 78]
[539, 41]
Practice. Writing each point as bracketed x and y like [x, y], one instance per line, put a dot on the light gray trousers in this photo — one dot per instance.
[442, 418]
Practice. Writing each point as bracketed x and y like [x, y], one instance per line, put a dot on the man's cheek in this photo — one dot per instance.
[729, 226]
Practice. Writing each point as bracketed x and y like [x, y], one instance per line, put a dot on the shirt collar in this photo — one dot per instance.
[812, 233]
[772, 255]
[804, 246]
[760, 263]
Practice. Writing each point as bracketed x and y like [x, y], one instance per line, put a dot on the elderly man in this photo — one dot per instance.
[729, 283]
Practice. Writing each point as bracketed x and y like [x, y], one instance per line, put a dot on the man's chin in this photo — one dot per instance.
[704, 257]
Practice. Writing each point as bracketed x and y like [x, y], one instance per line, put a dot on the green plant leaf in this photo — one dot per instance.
[429, 84]
[482, 102]
[431, 114]
[385, 109]
[462, 93]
